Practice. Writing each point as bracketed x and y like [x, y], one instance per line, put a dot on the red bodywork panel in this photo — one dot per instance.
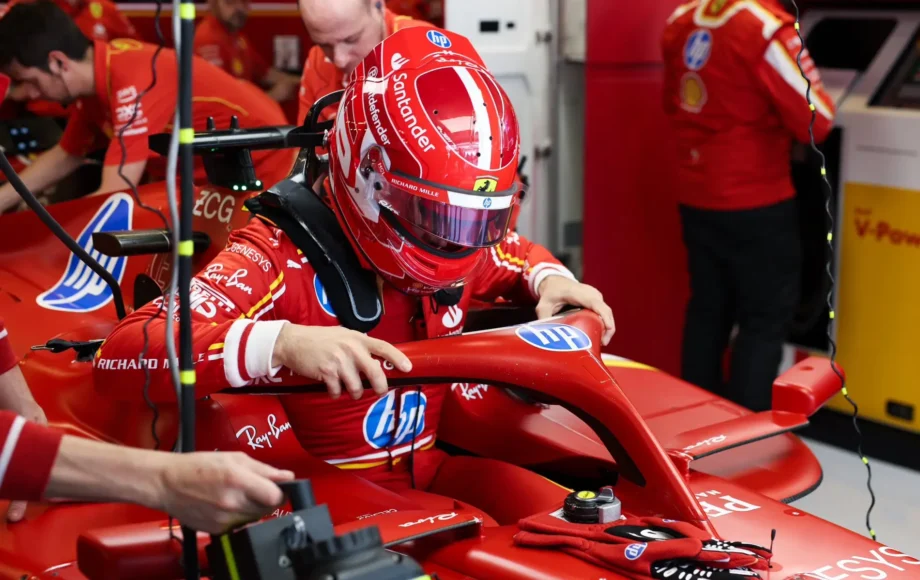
[486, 421]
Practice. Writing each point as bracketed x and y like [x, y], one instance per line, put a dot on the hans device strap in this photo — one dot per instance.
[299, 213]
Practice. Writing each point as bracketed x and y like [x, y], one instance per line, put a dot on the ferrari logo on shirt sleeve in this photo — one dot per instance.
[237, 67]
[95, 8]
[485, 184]
[126, 44]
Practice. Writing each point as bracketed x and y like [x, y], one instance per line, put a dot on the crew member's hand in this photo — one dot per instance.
[213, 491]
[556, 292]
[337, 356]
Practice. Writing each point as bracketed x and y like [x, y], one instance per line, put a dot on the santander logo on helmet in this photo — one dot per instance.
[423, 160]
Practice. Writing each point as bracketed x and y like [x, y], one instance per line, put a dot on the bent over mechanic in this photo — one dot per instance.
[105, 81]
[736, 98]
[421, 181]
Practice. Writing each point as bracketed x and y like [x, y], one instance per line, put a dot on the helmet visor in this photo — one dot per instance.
[467, 218]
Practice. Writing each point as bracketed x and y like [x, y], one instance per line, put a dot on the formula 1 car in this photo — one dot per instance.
[566, 412]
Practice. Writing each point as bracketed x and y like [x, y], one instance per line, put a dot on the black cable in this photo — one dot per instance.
[830, 292]
[142, 357]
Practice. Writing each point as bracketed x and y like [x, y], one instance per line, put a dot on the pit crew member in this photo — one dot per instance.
[343, 33]
[210, 492]
[424, 203]
[105, 80]
[219, 40]
[737, 106]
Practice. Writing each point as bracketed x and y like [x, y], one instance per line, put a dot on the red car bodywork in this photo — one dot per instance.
[678, 437]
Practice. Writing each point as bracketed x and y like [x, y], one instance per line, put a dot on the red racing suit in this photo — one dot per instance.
[260, 280]
[736, 99]
[29, 447]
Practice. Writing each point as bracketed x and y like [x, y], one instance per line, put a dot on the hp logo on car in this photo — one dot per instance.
[554, 336]
[321, 296]
[438, 39]
[380, 420]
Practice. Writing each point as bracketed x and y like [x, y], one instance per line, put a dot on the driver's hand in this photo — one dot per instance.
[337, 356]
[557, 292]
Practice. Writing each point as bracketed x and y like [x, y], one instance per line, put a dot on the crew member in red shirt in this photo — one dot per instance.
[421, 180]
[737, 101]
[343, 33]
[98, 20]
[219, 40]
[105, 80]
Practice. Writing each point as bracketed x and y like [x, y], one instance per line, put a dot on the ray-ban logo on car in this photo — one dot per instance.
[554, 336]
[80, 289]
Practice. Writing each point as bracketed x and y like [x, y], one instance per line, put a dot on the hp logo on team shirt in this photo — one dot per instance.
[438, 39]
[634, 551]
[554, 336]
[697, 49]
[80, 289]
[380, 422]
[321, 296]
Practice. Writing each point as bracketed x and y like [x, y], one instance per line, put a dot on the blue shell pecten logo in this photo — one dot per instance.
[321, 296]
[554, 336]
[634, 551]
[381, 420]
[80, 289]
[438, 39]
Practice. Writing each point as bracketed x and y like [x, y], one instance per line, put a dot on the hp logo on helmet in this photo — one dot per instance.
[381, 420]
[554, 336]
[487, 202]
[438, 39]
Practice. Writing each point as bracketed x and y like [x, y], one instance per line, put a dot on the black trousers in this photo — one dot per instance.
[744, 270]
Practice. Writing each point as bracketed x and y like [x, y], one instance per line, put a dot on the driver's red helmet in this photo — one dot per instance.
[422, 160]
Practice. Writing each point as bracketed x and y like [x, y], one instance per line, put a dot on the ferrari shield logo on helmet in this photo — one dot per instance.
[80, 289]
[485, 184]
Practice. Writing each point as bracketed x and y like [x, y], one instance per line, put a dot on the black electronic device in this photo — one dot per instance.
[303, 546]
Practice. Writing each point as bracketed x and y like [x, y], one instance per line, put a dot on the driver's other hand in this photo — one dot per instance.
[214, 492]
[337, 356]
[557, 292]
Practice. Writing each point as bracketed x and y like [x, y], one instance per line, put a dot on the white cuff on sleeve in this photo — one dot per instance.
[543, 271]
[260, 348]
[248, 350]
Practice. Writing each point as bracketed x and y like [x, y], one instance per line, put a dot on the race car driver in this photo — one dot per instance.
[219, 40]
[210, 491]
[420, 183]
[343, 33]
[737, 101]
[41, 48]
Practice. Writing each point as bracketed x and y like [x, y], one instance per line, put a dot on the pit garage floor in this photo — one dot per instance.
[843, 497]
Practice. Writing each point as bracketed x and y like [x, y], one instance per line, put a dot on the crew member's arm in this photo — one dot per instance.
[48, 168]
[280, 85]
[14, 392]
[313, 84]
[779, 73]
[525, 272]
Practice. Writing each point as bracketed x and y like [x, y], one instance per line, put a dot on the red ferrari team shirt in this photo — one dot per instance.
[230, 51]
[259, 283]
[123, 72]
[736, 98]
[321, 77]
[30, 448]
